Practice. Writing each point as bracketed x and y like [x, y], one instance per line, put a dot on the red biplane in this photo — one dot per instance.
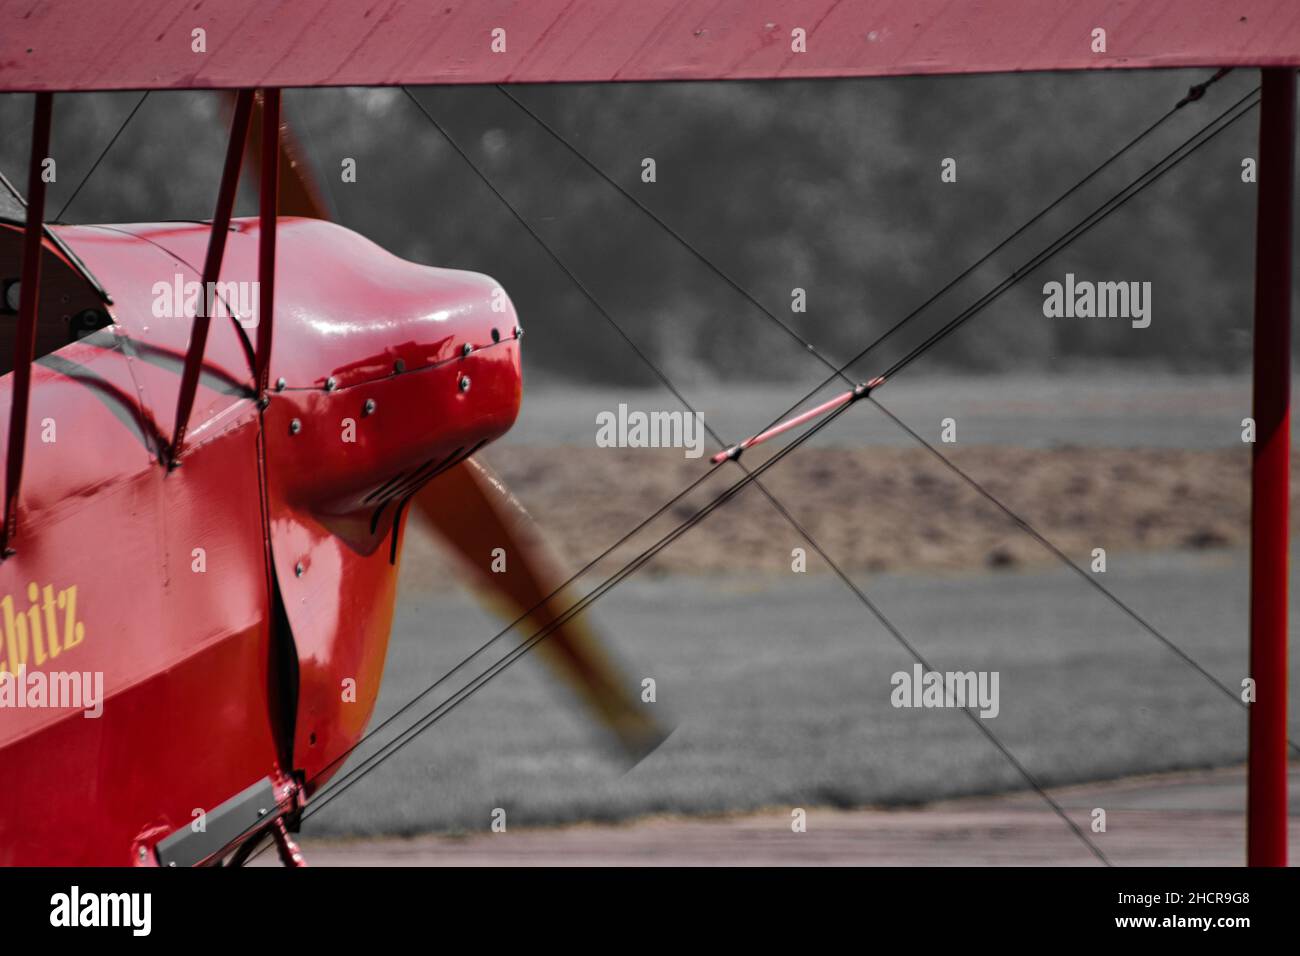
[204, 500]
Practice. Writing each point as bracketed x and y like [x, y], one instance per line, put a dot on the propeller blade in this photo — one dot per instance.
[300, 193]
[474, 512]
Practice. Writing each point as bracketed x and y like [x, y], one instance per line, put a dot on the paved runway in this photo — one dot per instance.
[1162, 820]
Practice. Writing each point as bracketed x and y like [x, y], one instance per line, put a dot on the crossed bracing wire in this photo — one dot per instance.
[338, 787]
[871, 606]
[1194, 94]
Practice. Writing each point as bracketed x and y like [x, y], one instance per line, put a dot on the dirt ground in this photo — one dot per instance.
[1186, 819]
[889, 509]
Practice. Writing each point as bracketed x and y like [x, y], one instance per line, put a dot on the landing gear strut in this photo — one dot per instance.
[290, 853]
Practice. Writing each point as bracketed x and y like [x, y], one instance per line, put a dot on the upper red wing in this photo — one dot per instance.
[149, 44]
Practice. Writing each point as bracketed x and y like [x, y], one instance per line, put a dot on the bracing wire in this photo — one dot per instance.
[104, 152]
[1193, 94]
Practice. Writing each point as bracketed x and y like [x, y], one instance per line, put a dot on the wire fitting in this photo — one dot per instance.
[1196, 91]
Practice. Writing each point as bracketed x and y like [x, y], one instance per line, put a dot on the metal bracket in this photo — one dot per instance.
[238, 816]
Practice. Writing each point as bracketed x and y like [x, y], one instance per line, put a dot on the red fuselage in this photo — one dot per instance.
[237, 607]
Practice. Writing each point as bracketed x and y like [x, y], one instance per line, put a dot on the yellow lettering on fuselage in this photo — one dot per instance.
[33, 636]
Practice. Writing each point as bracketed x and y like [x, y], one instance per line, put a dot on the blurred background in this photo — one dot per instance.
[830, 186]
[778, 683]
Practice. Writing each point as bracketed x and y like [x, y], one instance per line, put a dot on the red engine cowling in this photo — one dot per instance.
[384, 373]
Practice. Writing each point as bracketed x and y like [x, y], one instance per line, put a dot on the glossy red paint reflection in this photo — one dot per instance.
[169, 569]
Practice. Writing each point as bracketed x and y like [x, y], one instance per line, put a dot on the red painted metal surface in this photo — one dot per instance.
[112, 574]
[353, 313]
[150, 43]
[29, 296]
[334, 502]
[193, 710]
[1271, 475]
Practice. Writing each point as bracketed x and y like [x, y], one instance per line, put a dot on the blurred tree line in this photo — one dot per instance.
[830, 186]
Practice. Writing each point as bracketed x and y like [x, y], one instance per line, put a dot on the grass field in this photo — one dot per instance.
[779, 690]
